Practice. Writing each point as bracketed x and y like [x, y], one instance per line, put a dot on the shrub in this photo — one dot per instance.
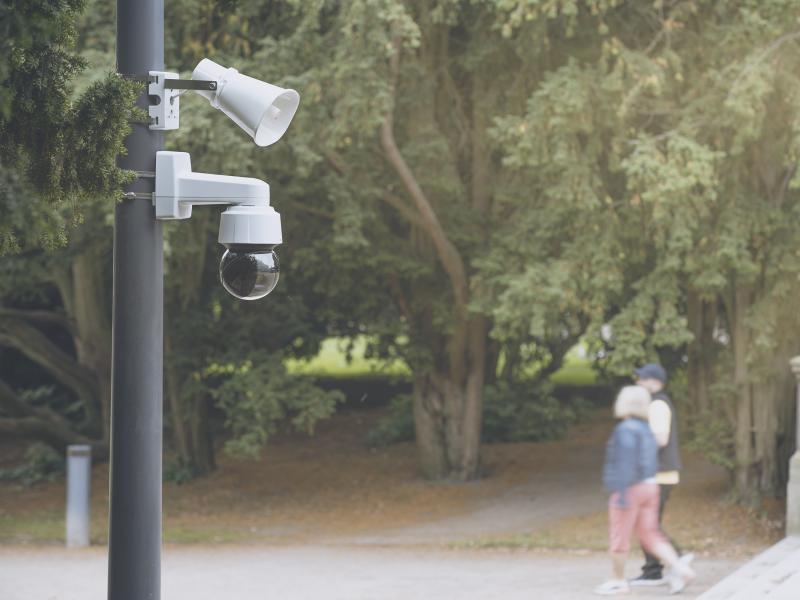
[397, 426]
[42, 463]
[712, 436]
[512, 412]
[528, 412]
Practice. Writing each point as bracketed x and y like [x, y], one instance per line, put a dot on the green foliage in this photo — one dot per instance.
[42, 463]
[67, 147]
[397, 426]
[258, 395]
[518, 412]
[27, 31]
[527, 412]
[660, 161]
[178, 471]
[711, 435]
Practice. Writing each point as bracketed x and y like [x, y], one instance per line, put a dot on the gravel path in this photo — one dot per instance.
[327, 573]
[572, 490]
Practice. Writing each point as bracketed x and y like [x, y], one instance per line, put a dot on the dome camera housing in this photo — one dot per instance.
[249, 273]
[249, 268]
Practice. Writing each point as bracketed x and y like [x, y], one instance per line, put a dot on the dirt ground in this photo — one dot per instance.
[332, 488]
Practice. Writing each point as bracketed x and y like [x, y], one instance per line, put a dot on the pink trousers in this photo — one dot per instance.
[640, 515]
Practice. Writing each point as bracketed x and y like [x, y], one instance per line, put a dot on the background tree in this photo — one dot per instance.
[55, 311]
[662, 156]
[57, 156]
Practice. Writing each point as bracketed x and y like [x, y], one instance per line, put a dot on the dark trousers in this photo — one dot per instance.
[653, 569]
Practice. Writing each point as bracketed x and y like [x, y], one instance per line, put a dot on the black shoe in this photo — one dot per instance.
[648, 581]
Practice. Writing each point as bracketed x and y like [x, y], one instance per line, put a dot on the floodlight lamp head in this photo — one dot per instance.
[263, 110]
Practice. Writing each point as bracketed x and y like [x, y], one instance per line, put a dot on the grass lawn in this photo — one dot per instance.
[332, 361]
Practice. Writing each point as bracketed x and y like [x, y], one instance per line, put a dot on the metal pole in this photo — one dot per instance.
[793, 485]
[795, 365]
[134, 544]
[79, 478]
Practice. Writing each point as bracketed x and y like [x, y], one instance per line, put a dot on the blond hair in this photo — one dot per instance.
[632, 401]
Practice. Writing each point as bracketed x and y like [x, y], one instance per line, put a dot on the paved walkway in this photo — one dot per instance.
[773, 574]
[534, 505]
[328, 573]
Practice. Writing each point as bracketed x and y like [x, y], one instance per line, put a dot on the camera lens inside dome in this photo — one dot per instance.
[249, 275]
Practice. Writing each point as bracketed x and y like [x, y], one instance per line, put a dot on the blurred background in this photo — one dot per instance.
[493, 211]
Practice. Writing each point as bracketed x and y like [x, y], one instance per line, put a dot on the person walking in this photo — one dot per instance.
[629, 472]
[664, 425]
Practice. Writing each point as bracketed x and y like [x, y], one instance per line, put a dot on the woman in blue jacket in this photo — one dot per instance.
[629, 474]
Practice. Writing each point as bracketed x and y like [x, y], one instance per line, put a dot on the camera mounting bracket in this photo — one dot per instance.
[178, 188]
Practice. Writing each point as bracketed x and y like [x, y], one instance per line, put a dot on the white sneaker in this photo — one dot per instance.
[643, 581]
[613, 587]
[682, 575]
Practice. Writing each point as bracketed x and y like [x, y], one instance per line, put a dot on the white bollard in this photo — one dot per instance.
[79, 477]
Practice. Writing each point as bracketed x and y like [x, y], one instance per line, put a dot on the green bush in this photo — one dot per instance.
[528, 412]
[712, 435]
[517, 412]
[397, 426]
[177, 471]
[42, 463]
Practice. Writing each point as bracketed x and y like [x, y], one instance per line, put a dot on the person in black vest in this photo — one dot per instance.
[664, 425]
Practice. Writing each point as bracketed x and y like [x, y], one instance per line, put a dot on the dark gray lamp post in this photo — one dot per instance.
[134, 543]
[167, 188]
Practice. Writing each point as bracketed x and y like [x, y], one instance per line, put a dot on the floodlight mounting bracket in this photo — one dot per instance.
[165, 101]
[190, 84]
[165, 107]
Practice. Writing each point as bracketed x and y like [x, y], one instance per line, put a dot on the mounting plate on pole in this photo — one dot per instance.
[165, 106]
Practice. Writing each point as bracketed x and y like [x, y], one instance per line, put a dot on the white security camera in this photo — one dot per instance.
[250, 229]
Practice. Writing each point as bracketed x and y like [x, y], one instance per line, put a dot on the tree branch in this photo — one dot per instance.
[400, 298]
[42, 316]
[404, 209]
[446, 251]
[41, 423]
[407, 212]
[36, 346]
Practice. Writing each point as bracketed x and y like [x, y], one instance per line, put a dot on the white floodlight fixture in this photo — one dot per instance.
[261, 109]
[249, 230]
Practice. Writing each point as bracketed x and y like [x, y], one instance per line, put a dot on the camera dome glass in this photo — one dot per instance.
[249, 275]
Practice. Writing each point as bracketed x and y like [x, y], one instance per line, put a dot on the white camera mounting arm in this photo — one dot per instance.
[251, 221]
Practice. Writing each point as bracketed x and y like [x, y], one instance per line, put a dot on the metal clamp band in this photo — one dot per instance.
[138, 195]
[190, 84]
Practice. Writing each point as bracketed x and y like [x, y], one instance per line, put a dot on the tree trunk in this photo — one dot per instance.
[179, 429]
[699, 374]
[773, 425]
[202, 440]
[90, 311]
[448, 411]
[428, 427]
